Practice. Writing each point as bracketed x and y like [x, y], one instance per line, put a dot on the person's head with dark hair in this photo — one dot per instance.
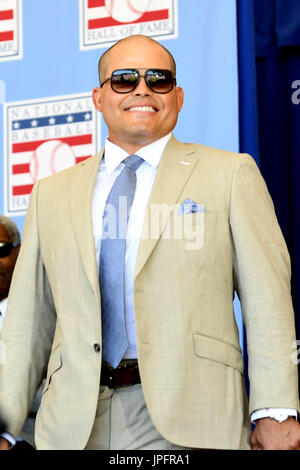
[10, 241]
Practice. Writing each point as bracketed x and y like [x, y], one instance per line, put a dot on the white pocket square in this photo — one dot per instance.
[188, 207]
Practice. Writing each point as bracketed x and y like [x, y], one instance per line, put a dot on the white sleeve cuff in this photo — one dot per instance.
[9, 438]
[267, 412]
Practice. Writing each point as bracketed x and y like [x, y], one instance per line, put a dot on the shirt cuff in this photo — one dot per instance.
[9, 438]
[267, 412]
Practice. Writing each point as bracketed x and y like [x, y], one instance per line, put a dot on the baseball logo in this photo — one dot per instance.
[49, 158]
[126, 11]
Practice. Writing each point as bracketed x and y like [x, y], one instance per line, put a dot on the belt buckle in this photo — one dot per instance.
[112, 372]
[107, 372]
[110, 382]
[123, 365]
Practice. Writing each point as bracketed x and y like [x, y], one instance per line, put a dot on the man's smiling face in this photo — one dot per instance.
[142, 116]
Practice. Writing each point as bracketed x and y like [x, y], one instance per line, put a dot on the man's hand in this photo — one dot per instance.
[4, 444]
[269, 434]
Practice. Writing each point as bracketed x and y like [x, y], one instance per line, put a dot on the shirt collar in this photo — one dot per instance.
[151, 153]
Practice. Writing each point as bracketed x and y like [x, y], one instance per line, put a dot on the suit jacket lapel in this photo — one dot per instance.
[81, 196]
[171, 177]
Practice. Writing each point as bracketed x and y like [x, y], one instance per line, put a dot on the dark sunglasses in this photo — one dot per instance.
[6, 248]
[126, 80]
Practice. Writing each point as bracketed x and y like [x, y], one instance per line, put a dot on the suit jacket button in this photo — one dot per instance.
[97, 347]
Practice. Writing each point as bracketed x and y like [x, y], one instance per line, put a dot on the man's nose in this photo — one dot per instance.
[142, 88]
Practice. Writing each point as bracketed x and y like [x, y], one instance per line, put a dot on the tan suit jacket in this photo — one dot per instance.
[188, 346]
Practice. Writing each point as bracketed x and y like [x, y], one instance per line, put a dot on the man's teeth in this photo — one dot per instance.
[143, 108]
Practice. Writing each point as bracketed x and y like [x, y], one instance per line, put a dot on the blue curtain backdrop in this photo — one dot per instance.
[248, 113]
[248, 118]
[269, 110]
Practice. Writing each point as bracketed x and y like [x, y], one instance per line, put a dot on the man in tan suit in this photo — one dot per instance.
[201, 225]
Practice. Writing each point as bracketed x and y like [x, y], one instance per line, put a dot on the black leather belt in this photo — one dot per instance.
[126, 374]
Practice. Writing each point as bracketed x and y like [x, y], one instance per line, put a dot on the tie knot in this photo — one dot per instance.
[133, 162]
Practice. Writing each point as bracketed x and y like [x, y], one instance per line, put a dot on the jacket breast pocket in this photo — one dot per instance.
[215, 350]
[55, 363]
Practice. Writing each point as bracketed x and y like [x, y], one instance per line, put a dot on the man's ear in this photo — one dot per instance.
[97, 98]
[180, 97]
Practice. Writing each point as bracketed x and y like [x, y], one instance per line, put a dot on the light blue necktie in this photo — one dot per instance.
[112, 262]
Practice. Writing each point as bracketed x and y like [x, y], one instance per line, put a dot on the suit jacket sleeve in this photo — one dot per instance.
[262, 273]
[28, 328]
